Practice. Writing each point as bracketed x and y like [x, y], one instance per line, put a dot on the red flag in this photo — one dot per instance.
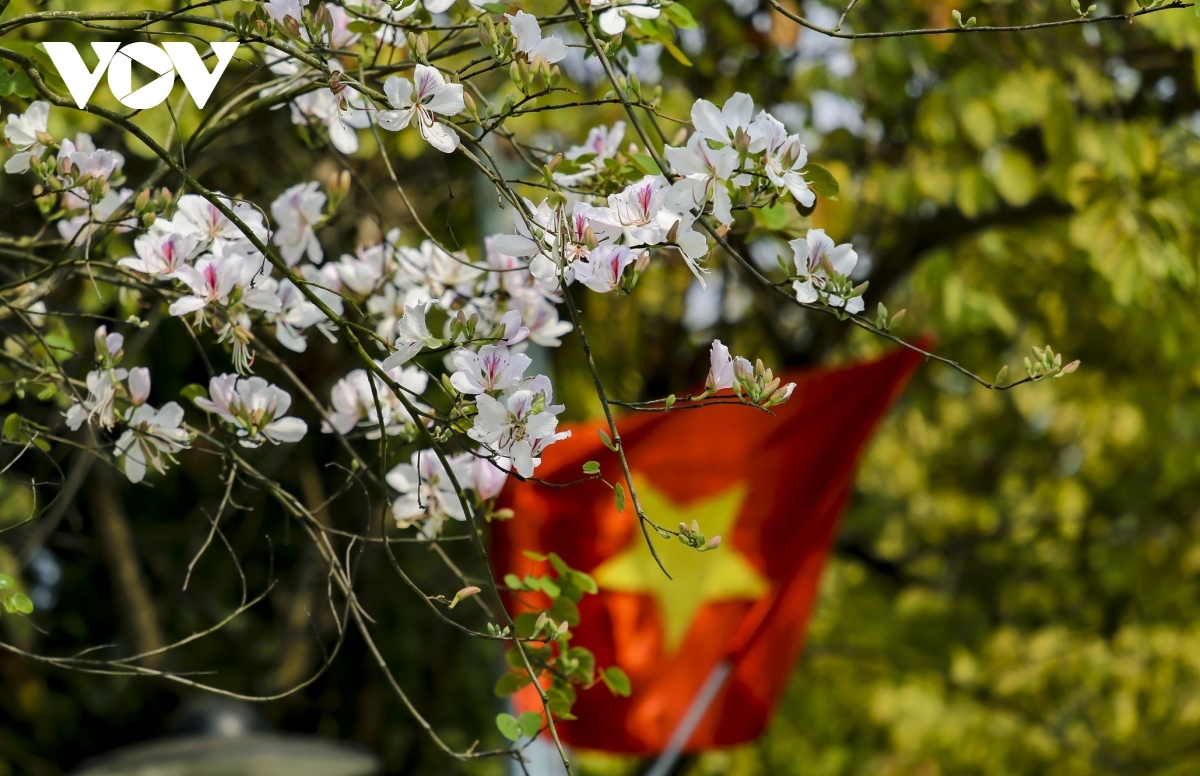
[772, 486]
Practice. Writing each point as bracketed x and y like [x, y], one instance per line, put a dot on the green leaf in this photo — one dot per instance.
[620, 492]
[510, 684]
[508, 726]
[512, 581]
[680, 16]
[564, 610]
[676, 52]
[526, 624]
[550, 588]
[536, 557]
[560, 700]
[18, 603]
[192, 391]
[585, 582]
[6, 582]
[774, 217]
[12, 427]
[606, 439]
[22, 86]
[6, 85]
[647, 165]
[617, 681]
[530, 723]
[591, 467]
[821, 180]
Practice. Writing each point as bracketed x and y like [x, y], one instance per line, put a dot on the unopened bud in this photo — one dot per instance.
[463, 594]
[714, 542]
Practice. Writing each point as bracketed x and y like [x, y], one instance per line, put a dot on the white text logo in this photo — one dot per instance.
[167, 60]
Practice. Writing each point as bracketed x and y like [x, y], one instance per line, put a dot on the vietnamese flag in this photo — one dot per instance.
[773, 487]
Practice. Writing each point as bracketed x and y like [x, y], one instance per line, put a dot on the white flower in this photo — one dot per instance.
[282, 9]
[784, 156]
[602, 270]
[816, 257]
[102, 394]
[529, 39]
[434, 97]
[108, 345]
[493, 368]
[86, 161]
[487, 475]
[545, 326]
[296, 210]
[513, 429]
[433, 6]
[80, 227]
[25, 133]
[510, 330]
[210, 279]
[602, 144]
[340, 114]
[363, 272]
[426, 493]
[296, 313]
[198, 216]
[353, 402]
[412, 334]
[428, 272]
[256, 407]
[612, 21]
[720, 370]
[139, 385]
[162, 250]
[704, 172]
[639, 210]
[723, 123]
[153, 437]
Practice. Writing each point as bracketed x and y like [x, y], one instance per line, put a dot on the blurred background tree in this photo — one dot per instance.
[1014, 589]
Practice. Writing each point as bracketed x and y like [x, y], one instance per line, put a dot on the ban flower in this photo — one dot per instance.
[704, 172]
[296, 211]
[101, 400]
[434, 97]
[818, 261]
[152, 438]
[512, 428]
[530, 42]
[784, 156]
[255, 407]
[612, 20]
[412, 334]
[493, 368]
[162, 250]
[26, 134]
[603, 269]
[427, 495]
[211, 280]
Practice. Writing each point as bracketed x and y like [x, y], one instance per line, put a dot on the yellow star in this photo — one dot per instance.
[699, 577]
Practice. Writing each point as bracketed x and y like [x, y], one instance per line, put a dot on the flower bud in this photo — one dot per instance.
[139, 385]
[466, 592]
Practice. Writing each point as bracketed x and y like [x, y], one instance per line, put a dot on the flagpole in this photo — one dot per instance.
[691, 719]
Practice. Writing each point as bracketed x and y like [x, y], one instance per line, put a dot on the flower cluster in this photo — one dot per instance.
[753, 383]
[115, 395]
[255, 408]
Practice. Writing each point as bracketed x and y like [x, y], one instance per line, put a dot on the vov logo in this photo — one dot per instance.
[166, 60]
